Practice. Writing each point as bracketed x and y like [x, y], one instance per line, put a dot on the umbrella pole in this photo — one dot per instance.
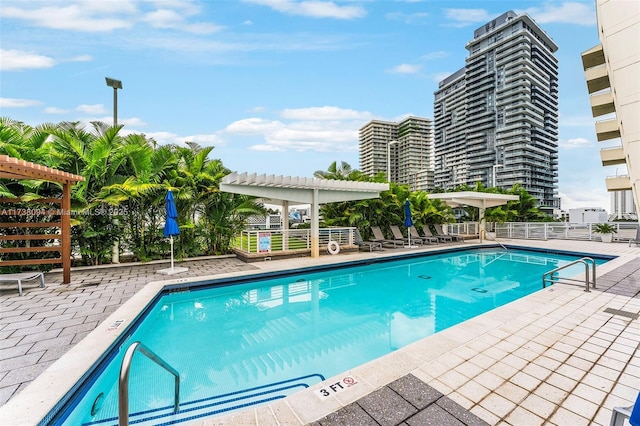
[172, 252]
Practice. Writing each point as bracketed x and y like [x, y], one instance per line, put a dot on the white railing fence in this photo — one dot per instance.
[625, 231]
[270, 241]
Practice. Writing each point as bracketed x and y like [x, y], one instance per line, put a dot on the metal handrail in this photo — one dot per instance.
[548, 276]
[123, 382]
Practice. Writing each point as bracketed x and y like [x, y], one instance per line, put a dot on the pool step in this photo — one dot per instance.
[206, 407]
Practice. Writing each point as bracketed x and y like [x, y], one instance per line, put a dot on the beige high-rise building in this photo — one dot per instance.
[612, 71]
[402, 151]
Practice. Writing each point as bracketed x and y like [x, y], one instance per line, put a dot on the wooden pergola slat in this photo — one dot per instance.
[16, 169]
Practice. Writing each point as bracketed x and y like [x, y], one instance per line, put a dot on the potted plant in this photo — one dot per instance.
[606, 229]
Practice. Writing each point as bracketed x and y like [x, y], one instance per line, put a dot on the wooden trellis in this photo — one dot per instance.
[15, 169]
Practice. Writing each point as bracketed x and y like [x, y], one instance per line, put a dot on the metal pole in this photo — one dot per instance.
[389, 162]
[115, 106]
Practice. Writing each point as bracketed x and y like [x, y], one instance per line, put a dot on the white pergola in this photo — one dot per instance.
[289, 190]
[481, 200]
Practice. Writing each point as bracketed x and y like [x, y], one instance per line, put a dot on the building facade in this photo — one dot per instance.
[401, 151]
[622, 206]
[612, 71]
[588, 215]
[496, 119]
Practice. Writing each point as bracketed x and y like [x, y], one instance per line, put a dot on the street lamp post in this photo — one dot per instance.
[495, 166]
[389, 159]
[116, 84]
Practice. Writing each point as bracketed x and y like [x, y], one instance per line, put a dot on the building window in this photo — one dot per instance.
[490, 61]
[500, 78]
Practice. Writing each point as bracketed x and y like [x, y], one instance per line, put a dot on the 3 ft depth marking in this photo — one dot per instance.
[336, 387]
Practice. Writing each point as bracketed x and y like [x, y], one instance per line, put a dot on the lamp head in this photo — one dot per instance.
[111, 82]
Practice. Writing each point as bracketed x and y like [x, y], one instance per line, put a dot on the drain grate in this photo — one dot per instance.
[622, 313]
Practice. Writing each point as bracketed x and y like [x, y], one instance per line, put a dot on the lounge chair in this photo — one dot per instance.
[363, 245]
[397, 234]
[441, 238]
[415, 235]
[378, 236]
[23, 276]
[440, 233]
[631, 413]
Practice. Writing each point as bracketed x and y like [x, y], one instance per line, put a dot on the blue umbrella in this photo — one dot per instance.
[407, 218]
[171, 225]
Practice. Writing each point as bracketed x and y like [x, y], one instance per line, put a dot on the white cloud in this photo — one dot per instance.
[81, 58]
[405, 69]
[565, 13]
[313, 8]
[91, 109]
[438, 77]
[171, 19]
[130, 122]
[434, 55]
[85, 16]
[325, 113]
[18, 103]
[106, 16]
[253, 126]
[575, 143]
[408, 18]
[205, 139]
[465, 17]
[55, 110]
[578, 196]
[16, 60]
[315, 129]
[163, 138]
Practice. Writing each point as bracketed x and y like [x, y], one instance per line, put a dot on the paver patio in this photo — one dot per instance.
[565, 359]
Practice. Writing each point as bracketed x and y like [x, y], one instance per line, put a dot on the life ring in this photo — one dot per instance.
[333, 247]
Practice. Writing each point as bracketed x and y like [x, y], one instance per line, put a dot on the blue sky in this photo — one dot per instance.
[278, 87]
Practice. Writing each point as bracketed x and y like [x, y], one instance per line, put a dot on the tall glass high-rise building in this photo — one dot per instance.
[496, 119]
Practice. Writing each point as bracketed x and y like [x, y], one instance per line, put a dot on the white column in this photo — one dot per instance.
[315, 225]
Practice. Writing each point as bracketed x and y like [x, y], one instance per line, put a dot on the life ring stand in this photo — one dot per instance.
[333, 247]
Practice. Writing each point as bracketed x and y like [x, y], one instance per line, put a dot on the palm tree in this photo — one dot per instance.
[94, 155]
[344, 171]
[140, 196]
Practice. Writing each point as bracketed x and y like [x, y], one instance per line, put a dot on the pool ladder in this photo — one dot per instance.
[123, 382]
[548, 277]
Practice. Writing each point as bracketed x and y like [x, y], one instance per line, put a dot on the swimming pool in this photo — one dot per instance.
[279, 335]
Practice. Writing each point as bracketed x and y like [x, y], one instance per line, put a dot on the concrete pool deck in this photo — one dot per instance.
[560, 356]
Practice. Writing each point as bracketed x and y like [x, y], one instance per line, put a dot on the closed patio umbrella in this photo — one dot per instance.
[171, 228]
[407, 219]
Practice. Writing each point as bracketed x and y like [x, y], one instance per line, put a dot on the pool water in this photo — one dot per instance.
[246, 344]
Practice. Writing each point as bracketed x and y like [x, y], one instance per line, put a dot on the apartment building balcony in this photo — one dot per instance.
[612, 156]
[593, 57]
[597, 78]
[607, 129]
[602, 104]
[618, 183]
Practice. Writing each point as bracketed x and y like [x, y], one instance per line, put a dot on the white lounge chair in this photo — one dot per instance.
[22, 276]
